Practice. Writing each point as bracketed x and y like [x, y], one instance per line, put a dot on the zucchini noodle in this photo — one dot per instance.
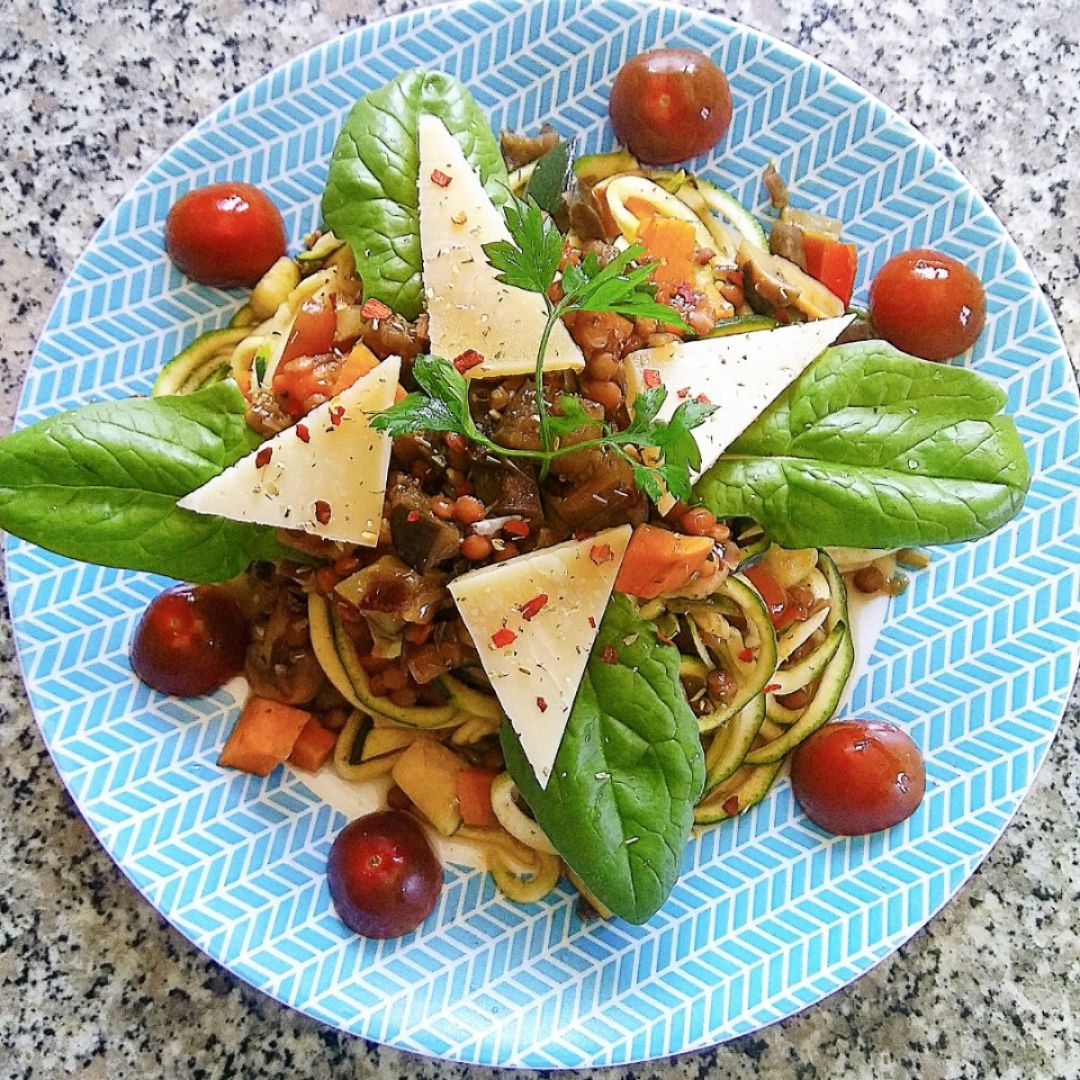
[514, 820]
[529, 887]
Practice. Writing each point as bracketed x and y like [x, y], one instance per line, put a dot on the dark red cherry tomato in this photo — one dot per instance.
[225, 234]
[927, 304]
[670, 104]
[858, 776]
[190, 640]
[384, 876]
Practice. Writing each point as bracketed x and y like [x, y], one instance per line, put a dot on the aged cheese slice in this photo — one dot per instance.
[325, 475]
[467, 307]
[741, 375]
[534, 620]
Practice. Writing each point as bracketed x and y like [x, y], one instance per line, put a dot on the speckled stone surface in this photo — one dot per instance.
[92, 982]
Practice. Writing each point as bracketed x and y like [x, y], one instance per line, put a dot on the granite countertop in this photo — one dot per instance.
[92, 982]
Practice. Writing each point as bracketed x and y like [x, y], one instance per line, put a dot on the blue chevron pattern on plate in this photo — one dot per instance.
[975, 660]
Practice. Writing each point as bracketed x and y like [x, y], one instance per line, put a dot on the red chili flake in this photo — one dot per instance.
[730, 805]
[412, 516]
[584, 534]
[440, 178]
[772, 688]
[703, 399]
[322, 511]
[609, 655]
[661, 636]
[532, 607]
[469, 359]
[684, 392]
[651, 377]
[541, 704]
[375, 309]
[592, 622]
[336, 414]
[464, 487]
[503, 637]
[746, 655]
[302, 433]
[601, 553]
[262, 458]
[516, 527]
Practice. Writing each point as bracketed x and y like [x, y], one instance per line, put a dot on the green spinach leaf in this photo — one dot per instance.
[872, 448]
[100, 484]
[620, 801]
[371, 199]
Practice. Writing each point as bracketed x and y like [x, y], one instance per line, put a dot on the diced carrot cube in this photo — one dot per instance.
[263, 737]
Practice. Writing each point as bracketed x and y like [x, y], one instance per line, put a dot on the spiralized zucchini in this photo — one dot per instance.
[529, 887]
[273, 288]
[514, 820]
[747, 740]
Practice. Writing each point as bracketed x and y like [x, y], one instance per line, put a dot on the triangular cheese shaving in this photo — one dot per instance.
[467, 307]
[325, 475]
[534, 620]
[741, 375]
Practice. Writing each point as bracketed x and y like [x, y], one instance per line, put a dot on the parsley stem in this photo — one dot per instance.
[554, 314]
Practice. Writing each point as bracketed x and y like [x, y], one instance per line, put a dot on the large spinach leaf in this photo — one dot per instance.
[870, 447]
[371, 198]
[100, 484]
[620, 801]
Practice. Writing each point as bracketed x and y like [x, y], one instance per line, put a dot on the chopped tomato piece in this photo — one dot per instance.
[772, 592]
[312, 330]
[831, 262]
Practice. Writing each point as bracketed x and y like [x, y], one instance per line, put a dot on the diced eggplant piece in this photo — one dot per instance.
[421, 539]
[602, 499]
[519, 149]
[507, 490]
[785, 240]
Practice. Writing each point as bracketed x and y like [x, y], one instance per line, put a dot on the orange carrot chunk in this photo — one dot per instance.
[658, 561]
[672, 241]
[357, 364]
[263, 737]
[474, 796]
[313, 746]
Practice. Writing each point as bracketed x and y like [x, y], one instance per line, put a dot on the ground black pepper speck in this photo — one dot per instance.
[92, 982]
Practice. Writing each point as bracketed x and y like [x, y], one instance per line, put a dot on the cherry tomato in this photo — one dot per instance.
[384, 876]
[927, 304]
[190, 640]
[225, 234]
[670, 104]
[858, 776]
[772, 592]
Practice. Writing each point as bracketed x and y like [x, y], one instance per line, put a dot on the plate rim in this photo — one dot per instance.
[228, 109]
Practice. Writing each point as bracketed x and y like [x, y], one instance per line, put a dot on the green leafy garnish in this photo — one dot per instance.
[872, 448]
[101, 483]
[371, 199]
[620, 801]
[665, 452]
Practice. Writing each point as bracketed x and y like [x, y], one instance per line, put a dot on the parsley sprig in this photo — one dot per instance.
[666, 450]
